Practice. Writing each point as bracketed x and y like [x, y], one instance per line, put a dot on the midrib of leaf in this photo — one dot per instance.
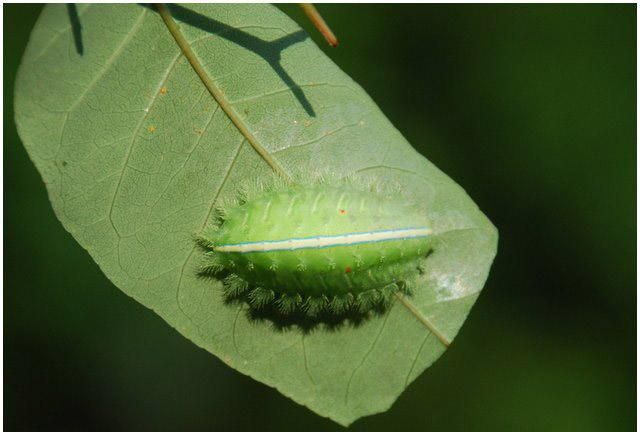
[226, 106]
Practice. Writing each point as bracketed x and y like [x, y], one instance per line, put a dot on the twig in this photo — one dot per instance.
[217, 94]
[315, 17]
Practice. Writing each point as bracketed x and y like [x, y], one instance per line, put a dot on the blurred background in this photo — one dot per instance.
[532, 109]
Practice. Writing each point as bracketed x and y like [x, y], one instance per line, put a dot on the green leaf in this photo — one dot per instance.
[135, 153]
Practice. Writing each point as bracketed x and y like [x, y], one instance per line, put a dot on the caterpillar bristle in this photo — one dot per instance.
[315, 305]
[387, 293]
[203, 242]
[234, 286]
[212, 269]
[220, 214]
[368, 300]
[288, 303]
[340, 304]
[407, 286]
[260, 297]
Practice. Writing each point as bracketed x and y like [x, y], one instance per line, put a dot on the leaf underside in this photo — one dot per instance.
[136, 153]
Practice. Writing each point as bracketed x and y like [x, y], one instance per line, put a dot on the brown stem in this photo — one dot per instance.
[315, 17]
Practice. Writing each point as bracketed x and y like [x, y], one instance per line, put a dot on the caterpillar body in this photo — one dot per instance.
[318, 247]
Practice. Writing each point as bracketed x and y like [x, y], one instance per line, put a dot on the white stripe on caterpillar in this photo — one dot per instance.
[320, 242]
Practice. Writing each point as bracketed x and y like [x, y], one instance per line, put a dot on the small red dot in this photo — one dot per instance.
[342, 211]
[347, 270]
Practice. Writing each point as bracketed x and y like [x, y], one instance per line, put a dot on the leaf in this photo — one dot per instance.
[135, 153]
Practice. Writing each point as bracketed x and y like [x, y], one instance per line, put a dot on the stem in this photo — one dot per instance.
[424, 320]
[317, 20]
[217, 94]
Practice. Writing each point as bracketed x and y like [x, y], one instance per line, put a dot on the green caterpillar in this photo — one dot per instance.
[319, 247]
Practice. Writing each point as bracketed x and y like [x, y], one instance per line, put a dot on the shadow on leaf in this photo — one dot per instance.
[270, 51]
[327, 320]
[331, 321]
[76, 27]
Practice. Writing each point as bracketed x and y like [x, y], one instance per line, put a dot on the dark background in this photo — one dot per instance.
[532, 109]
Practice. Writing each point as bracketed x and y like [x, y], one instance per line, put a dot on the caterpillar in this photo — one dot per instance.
[323, 246]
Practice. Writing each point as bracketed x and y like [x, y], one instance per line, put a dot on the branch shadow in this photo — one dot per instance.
[270, 51]
[76, 27]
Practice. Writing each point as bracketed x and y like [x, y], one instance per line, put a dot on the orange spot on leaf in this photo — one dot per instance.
[347, 270]
[151, 129]
[342, 211]
[164, 90]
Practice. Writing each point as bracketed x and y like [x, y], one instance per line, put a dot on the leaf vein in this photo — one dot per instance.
[315, 140]
[186, 160]
[231, 29]
[306, 363]
[211, 207]
[415, 359]
[112, 58]
[364, 358]
[59, 34]
[233, 333]
[286, 90]
[135, 134]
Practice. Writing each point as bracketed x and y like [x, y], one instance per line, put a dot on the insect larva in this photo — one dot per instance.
[318, 247]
